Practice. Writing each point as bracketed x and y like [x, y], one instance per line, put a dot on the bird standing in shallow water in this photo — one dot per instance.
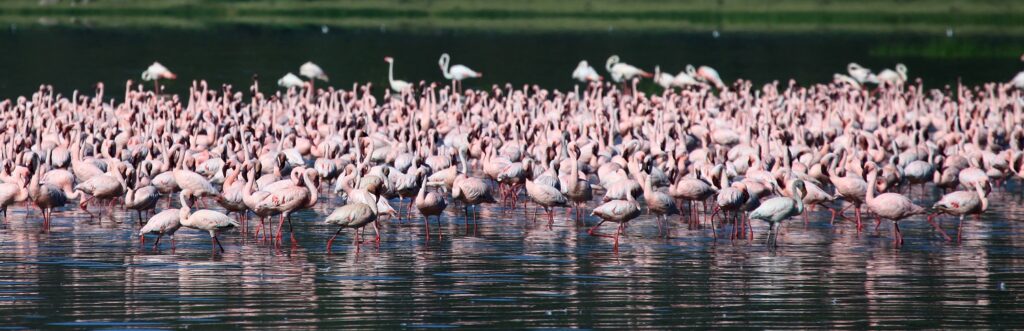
[891, 206]
[615, 211]
[961, 203]
[207, 220]
[778, 209]
[354, 216]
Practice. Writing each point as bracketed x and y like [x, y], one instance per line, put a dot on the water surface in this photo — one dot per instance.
[78, 58]
[508, 272]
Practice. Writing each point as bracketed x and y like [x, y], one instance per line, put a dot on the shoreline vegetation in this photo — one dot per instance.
[929, 17]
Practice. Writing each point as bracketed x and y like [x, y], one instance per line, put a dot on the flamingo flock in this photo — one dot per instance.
[698, 150]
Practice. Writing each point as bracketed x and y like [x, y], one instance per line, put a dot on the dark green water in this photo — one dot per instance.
[77, 58]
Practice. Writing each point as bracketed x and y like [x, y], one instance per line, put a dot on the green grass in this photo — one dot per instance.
[922, 16]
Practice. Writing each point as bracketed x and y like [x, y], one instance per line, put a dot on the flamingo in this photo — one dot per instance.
[844, 79]
[312, 71]
[353, 216]
[46, 197]
[710, 75]
[663, 78]
[584, 73]
[107, 186]
[205, 220]
[430, 204]
[471, 191]
[891, 206]
[961, 203]
[778, 209]
[156, 72]
[1018, 80]
[893, 77]
[577, 190]
[616, 211]
[546, 196]
[193, 185]
[290, 80]
[286, 200]
[622, 72]
[398, 86]
[456, 73]
[141, 199]
[253, 201]
[166, 222]
[730, 198]
[861, 74]
[692, 190]
[11, 193]
[231, 196]
[658, 203]
[686, 77]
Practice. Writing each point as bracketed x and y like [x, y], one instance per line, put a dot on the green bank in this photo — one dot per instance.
[871, 16]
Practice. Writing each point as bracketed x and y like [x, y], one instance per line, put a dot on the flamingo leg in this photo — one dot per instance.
[280, 229]
[618, 232]
[857, 212]
[376, 231]
[592, 231]
[426, 227]
[85, 206]
[331, 241]
[938, 228]
[157, 243]
[217, 241]
[438, 218]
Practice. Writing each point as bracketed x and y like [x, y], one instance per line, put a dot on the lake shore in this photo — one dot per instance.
[925, 16]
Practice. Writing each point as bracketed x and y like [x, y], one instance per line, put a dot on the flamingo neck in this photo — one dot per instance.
[391, 72]
[872, 176]
[982, 196]
[313, 191]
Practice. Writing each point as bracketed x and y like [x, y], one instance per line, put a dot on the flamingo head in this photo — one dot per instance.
[388, 59]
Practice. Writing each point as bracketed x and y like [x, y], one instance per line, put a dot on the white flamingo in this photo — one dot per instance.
[686, 77]
[861, 74]
[205, 220]
[456, 73]
[622, 72]
[290, 80]
[663, 78]
[166, 222]
[778, 209]
[893, 77]
[312, 71]
[156, 72]
[961, 203]
[584, 73]
[397, 85]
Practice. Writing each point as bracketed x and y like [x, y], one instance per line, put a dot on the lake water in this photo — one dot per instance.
[511, 273]
[507, 272]
[77, 58]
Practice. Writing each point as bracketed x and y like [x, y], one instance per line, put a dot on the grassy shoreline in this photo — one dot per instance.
[870, 16]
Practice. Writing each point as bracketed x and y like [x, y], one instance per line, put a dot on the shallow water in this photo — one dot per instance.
[508, 272]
